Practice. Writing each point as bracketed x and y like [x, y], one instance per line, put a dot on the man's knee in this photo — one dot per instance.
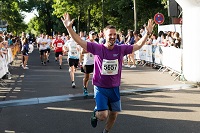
[102, 115]
[86, 78]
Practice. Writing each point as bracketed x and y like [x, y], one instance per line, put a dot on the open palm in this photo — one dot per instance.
[67, 21]
[150, 26]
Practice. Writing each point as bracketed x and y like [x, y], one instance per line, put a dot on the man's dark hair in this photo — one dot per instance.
[109, 27]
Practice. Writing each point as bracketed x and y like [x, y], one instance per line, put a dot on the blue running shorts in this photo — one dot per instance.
[107, 99]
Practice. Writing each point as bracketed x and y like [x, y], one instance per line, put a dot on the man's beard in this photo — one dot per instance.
[111, 43]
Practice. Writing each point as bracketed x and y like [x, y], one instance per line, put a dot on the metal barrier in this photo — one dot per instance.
[5, 61]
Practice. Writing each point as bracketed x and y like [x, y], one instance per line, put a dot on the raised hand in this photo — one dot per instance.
[150, 26]
[67, 21]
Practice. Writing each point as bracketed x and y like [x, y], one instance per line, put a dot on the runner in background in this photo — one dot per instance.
[81, 34]
[48, 47]
[87, 63]
[64, 38]
[43, 49]
[73, 58]
[53, 40]
[58, 48]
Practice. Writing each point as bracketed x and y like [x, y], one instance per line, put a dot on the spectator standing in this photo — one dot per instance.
[130, 41]
[25, 52]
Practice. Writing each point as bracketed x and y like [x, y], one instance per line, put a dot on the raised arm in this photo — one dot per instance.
[68, 24]
[142, 41]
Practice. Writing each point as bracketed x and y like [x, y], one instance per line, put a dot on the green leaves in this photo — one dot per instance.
[88, 14]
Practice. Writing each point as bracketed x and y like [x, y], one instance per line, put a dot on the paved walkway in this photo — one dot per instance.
[152, 102]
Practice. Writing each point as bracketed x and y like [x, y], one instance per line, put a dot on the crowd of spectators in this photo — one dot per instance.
[165, 39]
[8, 42]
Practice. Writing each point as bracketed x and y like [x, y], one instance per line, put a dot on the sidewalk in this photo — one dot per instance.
[152, 102]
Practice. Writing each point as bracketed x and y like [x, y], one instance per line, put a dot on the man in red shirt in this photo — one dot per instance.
[58, 44]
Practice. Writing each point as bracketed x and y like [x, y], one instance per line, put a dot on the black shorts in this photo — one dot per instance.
[48, 50]
[25, 52]
[42, 52]
[73, 62]
[87, 69]
[58, 53]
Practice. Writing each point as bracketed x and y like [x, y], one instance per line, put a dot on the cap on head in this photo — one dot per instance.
[92, 32]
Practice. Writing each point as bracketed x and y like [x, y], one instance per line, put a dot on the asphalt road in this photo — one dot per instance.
[41, 100]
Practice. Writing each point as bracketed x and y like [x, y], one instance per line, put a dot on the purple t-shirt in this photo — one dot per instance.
[107, 64]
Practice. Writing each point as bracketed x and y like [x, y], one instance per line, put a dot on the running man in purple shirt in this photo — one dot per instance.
[107, 70]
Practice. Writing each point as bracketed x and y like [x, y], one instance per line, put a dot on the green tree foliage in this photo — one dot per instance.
[164, 2]
[10, 12]
[45, 17]
[88, 14]
[34, 26]
[78, 10]
[120, 14]
[147, 9]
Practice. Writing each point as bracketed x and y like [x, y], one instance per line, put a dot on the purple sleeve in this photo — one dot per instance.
[93, 48]
[127, 48]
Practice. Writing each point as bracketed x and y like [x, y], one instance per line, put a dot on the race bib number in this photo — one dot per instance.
[110, 67]
[91, 55]
[59, 45]
[74, 53]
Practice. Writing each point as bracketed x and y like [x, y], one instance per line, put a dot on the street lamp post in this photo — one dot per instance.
[103, 13]
[0, 15]
[135, 15]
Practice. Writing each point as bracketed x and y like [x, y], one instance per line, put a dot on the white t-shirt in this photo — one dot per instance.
[101, 40]
[43, 43]
[88, 58]
[74, 49]
[48, 43]
[64, 38]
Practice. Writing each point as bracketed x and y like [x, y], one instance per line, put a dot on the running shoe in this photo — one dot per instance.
[85, 91]
[73, 85]
[127, 66]
[25, 67]
[93, 119]
[60, 67]
[133, 66]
